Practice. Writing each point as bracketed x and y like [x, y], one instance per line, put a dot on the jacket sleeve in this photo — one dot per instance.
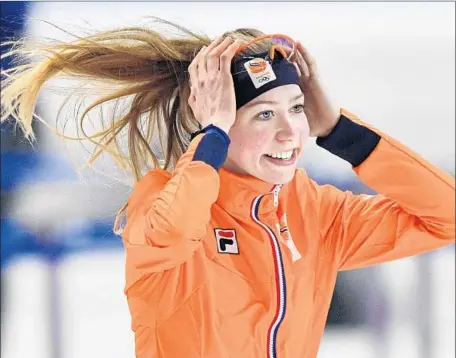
[413, 213]
[165, 226]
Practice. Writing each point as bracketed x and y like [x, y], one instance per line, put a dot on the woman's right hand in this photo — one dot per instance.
[212, 98]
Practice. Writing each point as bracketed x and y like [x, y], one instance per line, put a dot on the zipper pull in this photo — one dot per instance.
[275, 192]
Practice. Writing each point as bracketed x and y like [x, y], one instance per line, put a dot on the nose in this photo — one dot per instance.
[287, 130]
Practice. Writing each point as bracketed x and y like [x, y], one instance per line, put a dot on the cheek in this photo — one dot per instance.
[246, 143]
[304, 130]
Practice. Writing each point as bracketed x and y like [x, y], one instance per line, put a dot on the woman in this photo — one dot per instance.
[230, 250]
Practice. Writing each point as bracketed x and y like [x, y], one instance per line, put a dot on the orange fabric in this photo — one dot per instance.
[187, 300]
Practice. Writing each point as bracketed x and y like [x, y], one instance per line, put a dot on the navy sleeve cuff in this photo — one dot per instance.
[213, 147]
[350, 141]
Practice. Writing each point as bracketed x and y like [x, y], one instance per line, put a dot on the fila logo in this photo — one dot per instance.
[226, 241]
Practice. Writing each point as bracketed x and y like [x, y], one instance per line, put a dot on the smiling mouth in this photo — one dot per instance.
[283, 159]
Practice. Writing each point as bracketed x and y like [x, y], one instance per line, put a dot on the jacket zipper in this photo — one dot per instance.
[279, 275]
[275, 192]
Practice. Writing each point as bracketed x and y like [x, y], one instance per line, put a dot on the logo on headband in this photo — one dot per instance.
[260, 72]
[257, 65]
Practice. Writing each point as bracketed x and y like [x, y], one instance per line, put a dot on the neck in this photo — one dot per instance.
[237, 192]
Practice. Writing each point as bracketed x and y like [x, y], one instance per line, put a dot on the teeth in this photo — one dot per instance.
[281, 155]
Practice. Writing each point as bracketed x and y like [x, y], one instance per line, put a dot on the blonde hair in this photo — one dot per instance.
[144, 66]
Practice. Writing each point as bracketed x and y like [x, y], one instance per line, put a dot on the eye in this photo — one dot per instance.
[265, 115]
[299, 108]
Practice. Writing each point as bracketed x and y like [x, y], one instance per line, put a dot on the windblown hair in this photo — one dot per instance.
[146, 68]
[140, 65]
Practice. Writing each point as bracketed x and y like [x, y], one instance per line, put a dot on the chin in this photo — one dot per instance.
[279, 178]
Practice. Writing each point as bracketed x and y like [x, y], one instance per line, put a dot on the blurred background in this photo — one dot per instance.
[393, 64]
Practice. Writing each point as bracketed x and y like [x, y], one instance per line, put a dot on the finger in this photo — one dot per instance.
[201, 64]
[202, 60]
[191, 96]
[293, 59]
[193, 68]
[297, 69]
[227, 56]
[308, 59]
[213, 58]
[191, 101]
[215, 43]
[303, 67]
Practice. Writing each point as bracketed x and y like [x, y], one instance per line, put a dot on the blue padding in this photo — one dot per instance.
[16, 240]
[350, 141]
[53, 245]
[19, 167]
[213, 147]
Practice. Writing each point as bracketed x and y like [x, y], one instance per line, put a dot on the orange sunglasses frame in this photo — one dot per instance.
[273, 47]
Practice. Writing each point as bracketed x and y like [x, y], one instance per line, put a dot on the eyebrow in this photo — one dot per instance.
[295, 98]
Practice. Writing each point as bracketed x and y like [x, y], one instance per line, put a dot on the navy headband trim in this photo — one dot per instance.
[244, 88]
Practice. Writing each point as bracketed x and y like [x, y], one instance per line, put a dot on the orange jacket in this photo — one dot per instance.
[220, 265]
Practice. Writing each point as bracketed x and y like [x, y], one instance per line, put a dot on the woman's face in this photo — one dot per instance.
[268, 135]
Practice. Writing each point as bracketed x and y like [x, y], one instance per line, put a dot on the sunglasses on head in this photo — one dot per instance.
[282, 44]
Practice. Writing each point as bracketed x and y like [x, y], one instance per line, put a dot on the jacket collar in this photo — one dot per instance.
[238, 193]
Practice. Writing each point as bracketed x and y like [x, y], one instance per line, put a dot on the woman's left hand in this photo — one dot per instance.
[321, 114]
